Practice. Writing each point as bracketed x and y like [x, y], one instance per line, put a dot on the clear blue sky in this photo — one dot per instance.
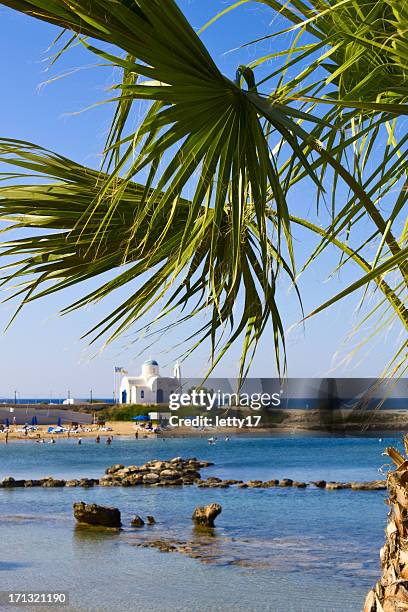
[42, 352]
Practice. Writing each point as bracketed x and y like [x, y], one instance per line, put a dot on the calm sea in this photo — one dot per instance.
[273, 549]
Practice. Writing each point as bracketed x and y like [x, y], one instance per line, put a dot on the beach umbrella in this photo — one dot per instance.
[141, 417]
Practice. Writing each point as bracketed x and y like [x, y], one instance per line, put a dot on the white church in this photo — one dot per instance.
[149, 387]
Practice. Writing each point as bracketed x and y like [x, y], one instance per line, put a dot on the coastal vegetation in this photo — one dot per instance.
[124, 412]
[327, 112]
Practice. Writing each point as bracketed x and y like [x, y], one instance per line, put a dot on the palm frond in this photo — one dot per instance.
[63, 255]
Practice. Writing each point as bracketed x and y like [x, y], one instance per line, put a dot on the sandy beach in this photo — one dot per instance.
[290, 421]
[114, 428]
[117, 429]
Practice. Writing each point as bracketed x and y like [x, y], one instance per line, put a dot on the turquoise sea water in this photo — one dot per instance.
[273, 549]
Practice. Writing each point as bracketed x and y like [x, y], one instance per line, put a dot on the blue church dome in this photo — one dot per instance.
[152, 362]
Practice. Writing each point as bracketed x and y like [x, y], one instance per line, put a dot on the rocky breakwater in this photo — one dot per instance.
[176, 471]
[179, 471]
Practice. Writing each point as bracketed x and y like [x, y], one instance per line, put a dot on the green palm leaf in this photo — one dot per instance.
[64, 256]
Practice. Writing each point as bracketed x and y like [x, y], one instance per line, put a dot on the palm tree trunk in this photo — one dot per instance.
[390, 594]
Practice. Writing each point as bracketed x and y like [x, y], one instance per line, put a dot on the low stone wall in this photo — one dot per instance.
[46, 415]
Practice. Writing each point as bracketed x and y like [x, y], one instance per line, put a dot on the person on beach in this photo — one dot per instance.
[136, 435]
[7, 435]
[98, 439]
[79, 440]
[108, 440]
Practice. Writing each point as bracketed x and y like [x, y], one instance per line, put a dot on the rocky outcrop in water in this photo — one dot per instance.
[72, 483]
[10, 482]
[137, 521]
[375, 485]
[101, 516]
[32, 483]
[335, 486]
[286, 482]
[53, 482]
[176, 471]
[205, 516]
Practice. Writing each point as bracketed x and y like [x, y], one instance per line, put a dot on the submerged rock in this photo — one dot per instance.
[92, 514]
[137, 521]
[161, 545]
[151, 520]
[206, 515]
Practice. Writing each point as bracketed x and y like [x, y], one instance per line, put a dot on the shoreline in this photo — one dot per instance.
[126, 430]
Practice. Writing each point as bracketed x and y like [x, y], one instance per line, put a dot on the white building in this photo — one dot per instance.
[149, 387]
